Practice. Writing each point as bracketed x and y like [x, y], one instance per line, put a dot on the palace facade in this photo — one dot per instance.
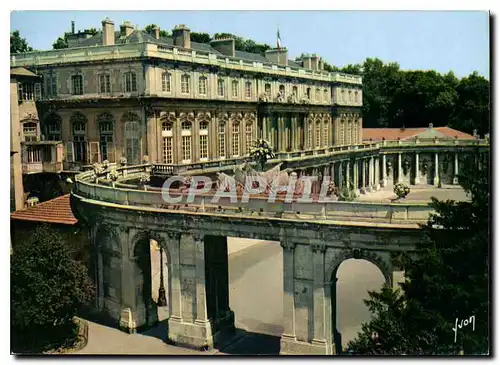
[135, 95]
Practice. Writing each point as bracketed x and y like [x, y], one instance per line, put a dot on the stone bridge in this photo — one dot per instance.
[316, 238]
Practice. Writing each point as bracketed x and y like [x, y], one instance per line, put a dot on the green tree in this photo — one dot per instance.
[48, 288]
[200, 37]
[60, 43]
[446, 279]
[261, 152]
[18, 44]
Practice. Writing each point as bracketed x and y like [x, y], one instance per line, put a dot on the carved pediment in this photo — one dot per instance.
[223, 117]
[187, 117]
[236, 117]
[249, 117]
[105, 117]
[203, 117]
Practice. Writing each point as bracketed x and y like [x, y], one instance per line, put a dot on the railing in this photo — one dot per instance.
[32, 167]
[136, 50]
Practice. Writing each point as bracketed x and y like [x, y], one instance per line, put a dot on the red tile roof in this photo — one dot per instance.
[56, 210]
[377, 134]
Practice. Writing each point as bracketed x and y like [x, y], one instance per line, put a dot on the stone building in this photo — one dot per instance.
[135, 95]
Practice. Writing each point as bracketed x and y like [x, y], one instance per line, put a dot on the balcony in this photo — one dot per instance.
[42, 157]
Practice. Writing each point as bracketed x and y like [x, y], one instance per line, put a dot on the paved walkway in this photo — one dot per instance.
[420, 193]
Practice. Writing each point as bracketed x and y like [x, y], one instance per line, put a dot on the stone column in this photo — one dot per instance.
[417, 170]
[400, 177]
[377, 173]
[371, 175]
[332, 173]
[265, 125]
[436, 169]
[455, 172]
[341, 175]
[151, 137]
[355, 172]
[320, 301]
[384, 171]
[281, 134]
[173, 244]
[288, 294]
[201, 307]
[363, 176]
[348, 175]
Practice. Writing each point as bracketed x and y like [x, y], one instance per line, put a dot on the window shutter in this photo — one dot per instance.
[94, 153]
[69, 152]
[38, 91]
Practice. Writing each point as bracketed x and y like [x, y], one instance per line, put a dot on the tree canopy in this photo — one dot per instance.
[149, 28]
[447, 282]
[18, 44]
[48, 287]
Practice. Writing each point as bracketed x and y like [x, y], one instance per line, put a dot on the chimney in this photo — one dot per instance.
[108, 32]
[226, 46]
[126, 29]
[182, 36]
[474, 134]
[155, 32]
[279, 56]
[305, 59]
[72, 27]
[431, 125]
[315, 62]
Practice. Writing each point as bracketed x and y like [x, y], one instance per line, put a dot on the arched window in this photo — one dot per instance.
[342, 132]
[235, 88]
[325, 95]
[220, 87]
[54, 128]
[318, 134]
[185, 84]
[310, 135]
[350, 96]
[295, 91]
[222, 140]
[203, 140]
[248, 89]
[354, 138]
[356, 97]
[317, 95]
[282, 90]
[236, 139]
[202, 85]
[267, 89]
[79, 141]
[248, 136]
[30, 131]
[342, 96]
[77, 85]
[106, 141]
[325, 133]
[167, 136]
[308, 93]
[166, 78]
[130, 82]
[186, 142]
[349, 133]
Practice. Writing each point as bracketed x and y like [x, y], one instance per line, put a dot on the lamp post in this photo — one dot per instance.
[162, 300]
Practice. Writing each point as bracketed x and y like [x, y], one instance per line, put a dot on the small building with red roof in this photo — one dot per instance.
[393, 134]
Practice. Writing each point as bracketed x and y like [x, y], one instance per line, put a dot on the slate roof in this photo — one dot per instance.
[57, 210]
[377, 134]
[21, 71]
[138, 36]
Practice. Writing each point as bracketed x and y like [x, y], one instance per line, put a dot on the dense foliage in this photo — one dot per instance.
[48, 287]
[261, 152]
[18, 44]
[447, 281]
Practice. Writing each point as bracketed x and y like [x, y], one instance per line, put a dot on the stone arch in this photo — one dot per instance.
[78, 117]
[355, 253]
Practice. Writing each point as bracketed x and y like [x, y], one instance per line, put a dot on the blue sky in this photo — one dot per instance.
[443, 41]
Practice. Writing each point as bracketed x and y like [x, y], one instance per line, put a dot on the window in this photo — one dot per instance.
[54, 131]
[318, 134]
[248, 136]
[167, 135]
[132, 140]
[32, 155]
[222, 140]
[202, 85]
[342, 96]
[308, 93]
[348, 136]
[325, 95]
[325, 133]
[50, 85]
[130, 82]
[248, 89]
[165, 82]
[79, 141]
[342, 132]
[317, 95]
[356, 97]
[220, 87]
[267, 89]
[282, 90]
[203, 140]
[235, 88]
[185, 84]
[104, 84]
[106, 141]
[350, 96]
[77, 85]
[294, 91]
[236, 139]
[26, 91]
[310, 135]
[186, 142]
[30, 131]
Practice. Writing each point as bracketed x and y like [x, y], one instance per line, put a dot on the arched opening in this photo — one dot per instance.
[151, 262]
[351, 281]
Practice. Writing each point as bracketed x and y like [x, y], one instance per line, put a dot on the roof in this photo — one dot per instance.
[57, 210]
[377, 134]
[21, 71]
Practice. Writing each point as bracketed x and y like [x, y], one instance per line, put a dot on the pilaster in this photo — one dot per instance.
[436, 169]
[417, 170]
[455, 172]
[400, 176]
[384, 170]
